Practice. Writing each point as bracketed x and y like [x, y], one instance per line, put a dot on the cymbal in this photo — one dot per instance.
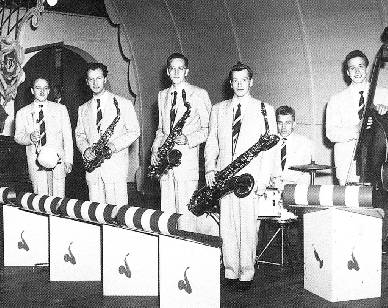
[309, 167]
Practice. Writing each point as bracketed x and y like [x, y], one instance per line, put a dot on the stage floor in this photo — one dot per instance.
[273, 287]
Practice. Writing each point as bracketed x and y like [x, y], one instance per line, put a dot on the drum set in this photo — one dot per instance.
[271, 203]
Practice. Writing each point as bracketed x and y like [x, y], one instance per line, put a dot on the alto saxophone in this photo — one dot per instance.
[100, 148]
[167, 156]
[205, 200]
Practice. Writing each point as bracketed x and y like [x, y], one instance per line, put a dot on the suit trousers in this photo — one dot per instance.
[40, 184]
[239, 232]
[115, 193]
[175, 197]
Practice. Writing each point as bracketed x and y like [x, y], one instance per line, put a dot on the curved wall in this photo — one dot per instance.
[296, 48]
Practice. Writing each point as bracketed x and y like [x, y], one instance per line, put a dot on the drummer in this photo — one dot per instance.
[292, 149]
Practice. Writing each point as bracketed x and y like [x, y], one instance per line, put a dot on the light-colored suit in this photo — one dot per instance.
[238, 220]
[179, 183]
[342, 128]
[58, 137]
[107, 183]
[299, 151]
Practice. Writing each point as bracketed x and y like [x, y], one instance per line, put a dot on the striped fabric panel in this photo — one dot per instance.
[5, 194]
[39, 203]
[148, 220]
[88, 210]
[327, 195]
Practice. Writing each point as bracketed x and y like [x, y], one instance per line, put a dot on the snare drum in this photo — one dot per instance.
[270, 204]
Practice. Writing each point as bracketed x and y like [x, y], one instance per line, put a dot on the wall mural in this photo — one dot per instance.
[11, 74]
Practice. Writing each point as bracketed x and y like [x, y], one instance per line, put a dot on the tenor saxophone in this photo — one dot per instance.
[100, 148]
[205, 200]
[167, 156]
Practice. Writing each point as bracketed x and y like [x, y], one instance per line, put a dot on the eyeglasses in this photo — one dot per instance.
[42, 89]
[177, 69]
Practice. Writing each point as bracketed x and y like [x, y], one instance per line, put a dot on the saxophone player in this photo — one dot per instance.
[178, 183]
[235, 125]
[107, 183]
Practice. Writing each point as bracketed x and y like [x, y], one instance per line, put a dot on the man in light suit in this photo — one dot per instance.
[57, 135]
[298, 149]
[238, 220]
[108, 182]
[343, 115]
[178, 184]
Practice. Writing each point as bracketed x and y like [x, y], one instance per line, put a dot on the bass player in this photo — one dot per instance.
[96, 118]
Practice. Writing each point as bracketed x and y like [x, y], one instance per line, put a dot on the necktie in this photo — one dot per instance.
[236, 127]
[283, 154]
[42, 126]
[361, 105]
[99, 115]
[173, 111]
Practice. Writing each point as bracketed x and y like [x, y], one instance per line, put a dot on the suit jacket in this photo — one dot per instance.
[125, 133]
[218, 149]
[299, 151]
[58, 135]
[195, 128]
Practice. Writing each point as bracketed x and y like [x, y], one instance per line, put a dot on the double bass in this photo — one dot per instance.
[371, 152]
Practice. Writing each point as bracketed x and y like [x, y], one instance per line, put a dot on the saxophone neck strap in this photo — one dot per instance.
[264, 113]
[116, 103]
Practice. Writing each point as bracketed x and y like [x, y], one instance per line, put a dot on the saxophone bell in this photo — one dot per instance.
[243, 185]
[174, 158]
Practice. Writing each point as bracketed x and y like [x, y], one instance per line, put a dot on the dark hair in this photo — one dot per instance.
[354, 54]
[40, 77]
[177, 55]
[240, 67]
[285, 110]
[96, 65]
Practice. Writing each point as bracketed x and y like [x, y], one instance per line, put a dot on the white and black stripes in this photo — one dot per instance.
[148, 220]
[88, 210]
[7, 195]
[38, 203]
[327, 195]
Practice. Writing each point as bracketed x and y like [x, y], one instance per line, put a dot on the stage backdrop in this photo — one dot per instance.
[296, 48]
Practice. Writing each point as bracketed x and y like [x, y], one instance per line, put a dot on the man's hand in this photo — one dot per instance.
[210, 178]
[154, 158]
[112, 147]
[381, 109]
[181, 139]
[68, 167]
[259, 190]
[35, 136]
[89, 154]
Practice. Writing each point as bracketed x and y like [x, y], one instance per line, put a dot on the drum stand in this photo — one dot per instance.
[283, 225]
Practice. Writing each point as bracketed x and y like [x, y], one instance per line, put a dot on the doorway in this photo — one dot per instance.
[65, 71]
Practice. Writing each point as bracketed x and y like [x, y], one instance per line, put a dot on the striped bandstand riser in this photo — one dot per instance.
[38, 203]
[327, 195]
[88, 210]
[148, 220]
[7, 195]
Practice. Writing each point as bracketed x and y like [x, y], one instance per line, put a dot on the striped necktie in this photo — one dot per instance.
[236, 127]
[42, 126]
[99, 115]
[361, 105]
[283, 154]
[173, 111]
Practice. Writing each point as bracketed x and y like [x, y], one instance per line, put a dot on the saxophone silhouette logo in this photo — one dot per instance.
[353, 263]
[184, 284]
[318, 258]
[22, 244]
[69, 257]
[124, 269]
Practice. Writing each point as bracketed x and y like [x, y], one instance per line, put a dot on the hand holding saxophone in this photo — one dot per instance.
[181, 139]
[210, 178]
[35, 136]
[89, 154]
